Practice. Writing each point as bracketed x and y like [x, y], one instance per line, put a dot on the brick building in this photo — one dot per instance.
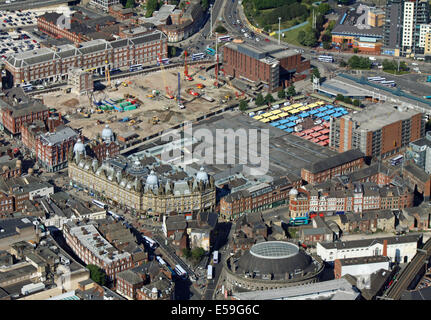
[52, 148]
[120, 13]
[53, 64]
[323, 170]
[256, 198]
[274, 66]
[89, 245]
[418, 179]
[378, 131]
[81, 28]
[357, 198]
[17, 109]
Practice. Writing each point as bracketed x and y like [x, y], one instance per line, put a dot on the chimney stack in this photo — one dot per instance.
[385, 248]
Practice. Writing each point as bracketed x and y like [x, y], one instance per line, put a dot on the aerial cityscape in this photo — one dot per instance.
[218, 150]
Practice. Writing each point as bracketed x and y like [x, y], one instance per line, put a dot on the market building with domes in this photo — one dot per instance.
[143, 184]
[105, 145]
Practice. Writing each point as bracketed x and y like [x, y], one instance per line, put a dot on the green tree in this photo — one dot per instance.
[197, 254]
[130, 4]
[291, 91]
[96, 274]
[356, 102]
[310, 39]
[260, 101]
[348, 100]
[269, 98]
[301, 36]
[327, 45]
[355, 50]
[220, 29]
[315, 74]
[243, 105]
[339, 97]
[152, 5]
[204, 5]
[182, 5]
[186, 253]
[343, 64]
[324, 8]
[281, 94]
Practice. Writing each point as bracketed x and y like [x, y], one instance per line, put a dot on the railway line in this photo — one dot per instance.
[409, 273]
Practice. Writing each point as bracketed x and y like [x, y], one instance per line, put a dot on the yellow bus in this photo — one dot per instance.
[273, 118]
[294, 111]
[283, 114]
[266, 115]
[257, 117]
[265, 120]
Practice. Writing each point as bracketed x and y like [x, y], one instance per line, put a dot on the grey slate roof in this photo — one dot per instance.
[370, 242]
[337, 160]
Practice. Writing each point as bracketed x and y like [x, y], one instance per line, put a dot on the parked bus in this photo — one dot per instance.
[164, 61]
[180, 271]
[374, 78]
[98, 203]
[135, 67]
[326, 58]
[27, 87]
[198, 56]
[215, 257]
[299, 221]
[160, 260]
[377, 79]
[210, 51]
[150, 242]
[224, 39]
[210, 272]
[397, 160]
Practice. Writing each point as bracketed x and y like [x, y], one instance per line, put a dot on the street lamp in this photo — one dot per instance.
[279, 20]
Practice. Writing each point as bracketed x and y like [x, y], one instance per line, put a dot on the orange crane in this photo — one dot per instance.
[169, 94]
[186, 69]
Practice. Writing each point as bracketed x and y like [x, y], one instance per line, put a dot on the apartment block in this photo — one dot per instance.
[393, 26]
[378, 131]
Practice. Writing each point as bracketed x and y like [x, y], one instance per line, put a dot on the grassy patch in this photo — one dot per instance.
[292, 35]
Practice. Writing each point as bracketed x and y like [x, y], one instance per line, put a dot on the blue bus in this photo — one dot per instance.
[210, 51]
[299, 221]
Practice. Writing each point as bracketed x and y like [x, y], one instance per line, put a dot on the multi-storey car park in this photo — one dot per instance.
[53, 64]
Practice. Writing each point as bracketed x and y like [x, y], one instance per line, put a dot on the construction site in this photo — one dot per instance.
[146, 103]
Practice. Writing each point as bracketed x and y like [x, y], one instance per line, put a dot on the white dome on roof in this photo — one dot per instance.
[79, 147]
[107, 134]
[293, 192]
[152, 180]
[202, 175]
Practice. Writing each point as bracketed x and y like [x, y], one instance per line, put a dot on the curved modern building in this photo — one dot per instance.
[271, 265]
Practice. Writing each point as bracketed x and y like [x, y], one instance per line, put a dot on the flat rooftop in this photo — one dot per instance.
[60, 135]
[380, 115]
[288, 154]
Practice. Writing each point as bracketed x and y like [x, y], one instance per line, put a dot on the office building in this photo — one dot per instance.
[393, 26]
[274, 66]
